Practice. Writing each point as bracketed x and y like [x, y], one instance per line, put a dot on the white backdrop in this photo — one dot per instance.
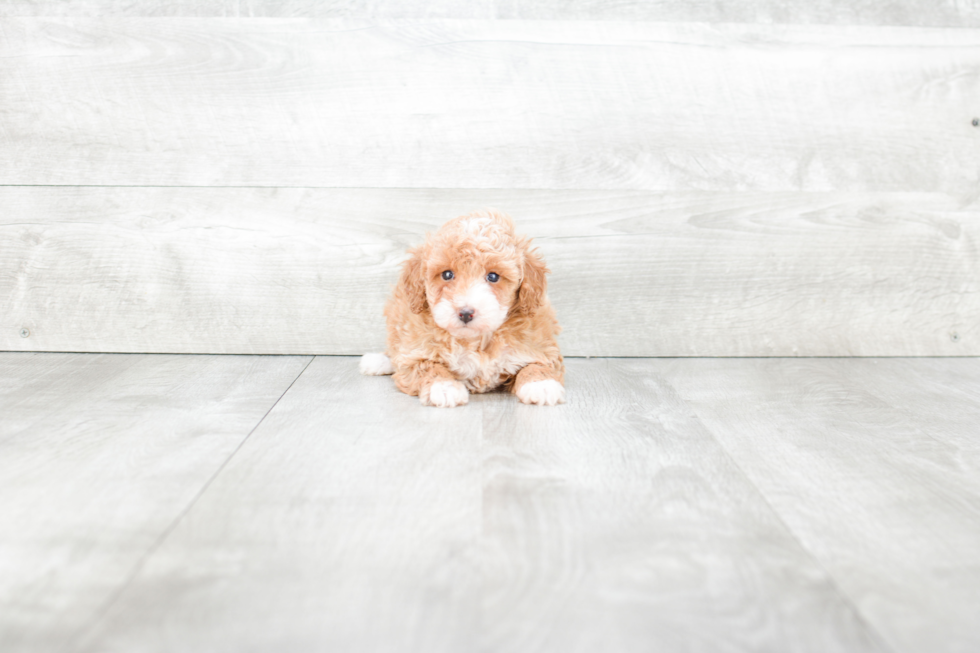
[739, 187]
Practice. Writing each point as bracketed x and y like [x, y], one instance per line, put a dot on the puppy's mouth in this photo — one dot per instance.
[468, 329]
[466, 320]
[472, 329]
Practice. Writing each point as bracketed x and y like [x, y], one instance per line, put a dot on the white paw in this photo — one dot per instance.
[376, 365]
[543, 393]
[446, 394]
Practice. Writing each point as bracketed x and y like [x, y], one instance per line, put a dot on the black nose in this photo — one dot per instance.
[466, 315]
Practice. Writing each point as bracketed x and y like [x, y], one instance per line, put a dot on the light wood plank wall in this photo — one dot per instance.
[920, 13]
[785, 178]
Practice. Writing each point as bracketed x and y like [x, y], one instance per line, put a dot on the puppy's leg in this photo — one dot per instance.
[434, 384]
[376, 365]
[540, 385]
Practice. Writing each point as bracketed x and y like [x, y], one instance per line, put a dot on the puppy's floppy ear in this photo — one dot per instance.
[413, 280]
[534, 284]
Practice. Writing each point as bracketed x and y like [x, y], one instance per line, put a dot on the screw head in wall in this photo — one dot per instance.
[25, 332]
[955, 337]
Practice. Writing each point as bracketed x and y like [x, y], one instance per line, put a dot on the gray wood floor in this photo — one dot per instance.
[236, 503]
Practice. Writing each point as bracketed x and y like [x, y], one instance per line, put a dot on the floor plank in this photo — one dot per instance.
[937, 397]
[219, 270]
[487, 103]
[31, 384]
[98, 456]
[618, 523]
[693, 504]
[875, 466]
[347, 522]
[354, 519]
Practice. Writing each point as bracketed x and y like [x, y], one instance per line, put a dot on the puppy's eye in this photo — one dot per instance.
[447, 275]
[493, 277]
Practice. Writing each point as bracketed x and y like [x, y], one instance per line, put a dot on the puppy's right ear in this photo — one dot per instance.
[413, 280]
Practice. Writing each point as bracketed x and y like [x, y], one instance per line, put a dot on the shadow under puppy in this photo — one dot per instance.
[471, 313]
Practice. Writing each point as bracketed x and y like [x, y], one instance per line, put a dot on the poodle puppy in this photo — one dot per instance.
[470, 313]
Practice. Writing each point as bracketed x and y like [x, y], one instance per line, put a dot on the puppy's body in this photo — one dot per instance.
[481, 363]
[470, 313]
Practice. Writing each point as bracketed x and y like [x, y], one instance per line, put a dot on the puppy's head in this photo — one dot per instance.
[473, 274]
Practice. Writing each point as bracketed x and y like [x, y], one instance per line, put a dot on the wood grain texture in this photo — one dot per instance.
[944, 13]
[99, 454]
[875, 466]
[618, 523]
[355, 519]
[347, 522]
[938, 398]
[303, 271]
[488, 104]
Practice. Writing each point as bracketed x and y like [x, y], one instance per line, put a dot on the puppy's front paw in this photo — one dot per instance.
[445, 394]
[543, 393]
[376, 365]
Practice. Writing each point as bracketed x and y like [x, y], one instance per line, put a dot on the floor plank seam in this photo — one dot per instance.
[872, 631]
[104, 610]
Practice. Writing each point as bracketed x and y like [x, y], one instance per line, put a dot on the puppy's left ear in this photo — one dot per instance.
[531, 293]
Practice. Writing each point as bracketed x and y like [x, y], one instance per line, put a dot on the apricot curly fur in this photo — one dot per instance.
[511, 341]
